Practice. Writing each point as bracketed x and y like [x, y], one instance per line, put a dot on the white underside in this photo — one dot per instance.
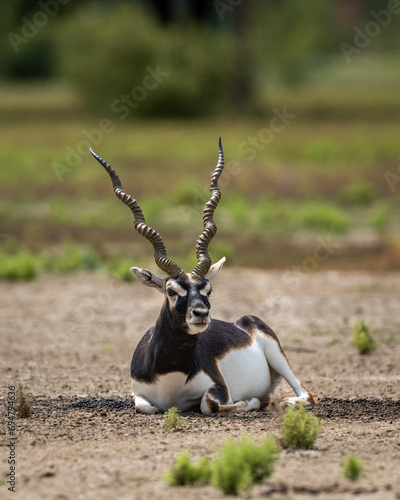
[245, 371]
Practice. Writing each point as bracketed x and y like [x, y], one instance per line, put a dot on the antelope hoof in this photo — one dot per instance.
[253, 404]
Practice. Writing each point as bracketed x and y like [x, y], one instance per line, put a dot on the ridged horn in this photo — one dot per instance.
[203, 259]
[160, 254]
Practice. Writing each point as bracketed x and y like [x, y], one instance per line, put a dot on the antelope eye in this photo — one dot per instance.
[209, 293]
[171, 292]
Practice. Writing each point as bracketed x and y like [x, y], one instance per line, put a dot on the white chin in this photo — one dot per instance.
[195, 328]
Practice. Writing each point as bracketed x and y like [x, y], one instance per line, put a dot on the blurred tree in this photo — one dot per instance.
[234, 19]
[196, 62]
[169, 11]
[288, 37]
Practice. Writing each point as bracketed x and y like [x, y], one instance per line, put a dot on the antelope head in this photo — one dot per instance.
[186, 295]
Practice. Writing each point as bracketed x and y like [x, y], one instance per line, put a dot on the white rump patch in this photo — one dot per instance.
[246, 373]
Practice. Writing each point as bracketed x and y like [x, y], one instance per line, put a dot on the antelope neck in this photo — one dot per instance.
[175, 350]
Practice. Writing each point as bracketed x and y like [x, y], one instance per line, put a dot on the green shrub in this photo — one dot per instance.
[324, 152]
[240, 465]
[236, 467]
[186, 472]
[321, 215]
[352, 467]
[362, 338]
[300, 428]
[120, 268]
[172, 421]
[230, 473]
[22, 266]
[186, 194]
[238, 209]
[358, 193]
[379, 216]
[261, 458]
[77, 258]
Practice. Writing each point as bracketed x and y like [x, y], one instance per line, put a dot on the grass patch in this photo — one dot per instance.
[21, 266]
[352, 467]
[77, 258]
[235, 468]
[270, 196]
[172, 420]
[187, 472]
[141, 479]
[358, 193]
[240, 465]
[324, 216]
[362, 338]
[379, 216]
[120, 268]
[108, 348]
[300, 429]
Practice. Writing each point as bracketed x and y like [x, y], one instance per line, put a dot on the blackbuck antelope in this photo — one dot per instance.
[187, 359]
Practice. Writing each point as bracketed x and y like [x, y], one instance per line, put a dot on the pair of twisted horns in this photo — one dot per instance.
[160, 254]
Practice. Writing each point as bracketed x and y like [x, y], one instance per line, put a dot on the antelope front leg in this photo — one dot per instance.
[142, 405]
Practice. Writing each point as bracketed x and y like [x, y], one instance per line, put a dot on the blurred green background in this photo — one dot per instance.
[304, 94]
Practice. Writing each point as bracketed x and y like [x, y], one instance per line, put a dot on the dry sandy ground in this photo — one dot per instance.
[69, 340]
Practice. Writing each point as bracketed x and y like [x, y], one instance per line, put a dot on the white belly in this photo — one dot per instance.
[171, 390]
[246, 373]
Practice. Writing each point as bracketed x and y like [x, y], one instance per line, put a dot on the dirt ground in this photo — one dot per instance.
[69, 340]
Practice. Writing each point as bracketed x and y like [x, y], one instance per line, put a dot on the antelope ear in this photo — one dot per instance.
[215, 268]
[148, 278]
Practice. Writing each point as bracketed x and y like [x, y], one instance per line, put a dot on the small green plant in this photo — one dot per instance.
[352, 467]
[358, 193]
[300, 428]
[23, 407]
[379, 216]
[108, 348]
[236, 467]
[230, 472]
[77, 258]
[172, 421]
[324, 216]
[187, 472]
[141, 479]
[21, 266]
[240, 465]
[238, 209]
[362, 338]
[120, 268]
